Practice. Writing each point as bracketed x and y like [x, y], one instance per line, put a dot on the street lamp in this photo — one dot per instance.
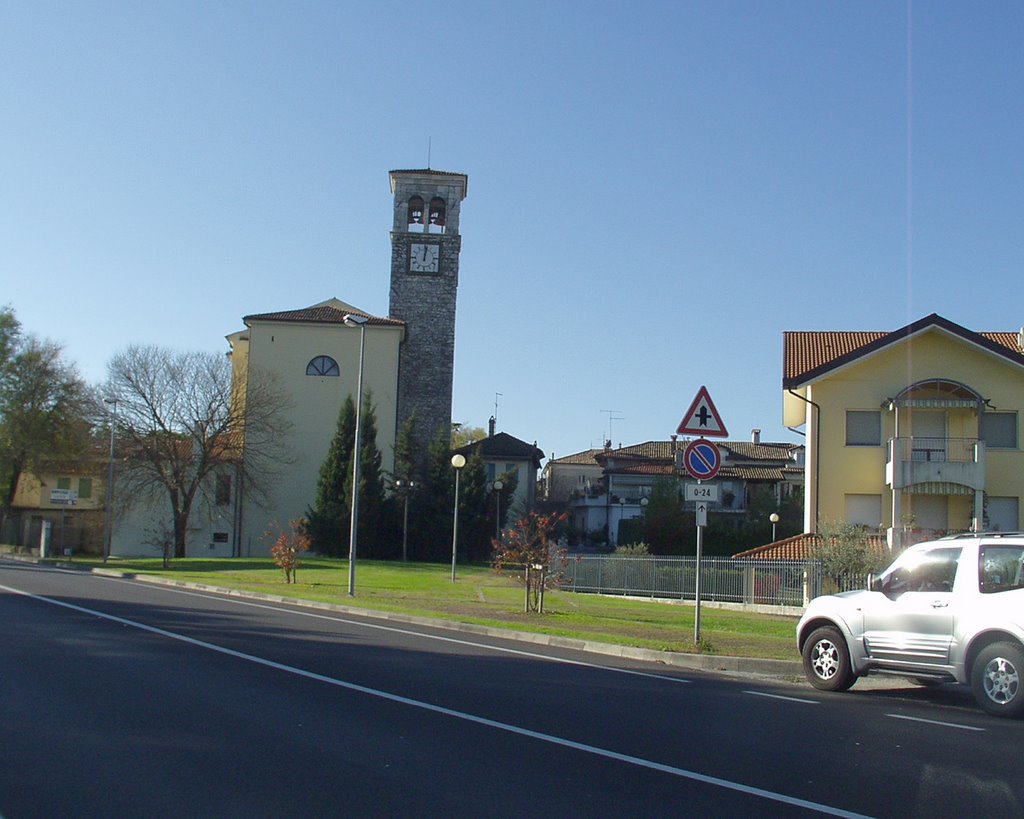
[353, 320]
[498, 486]
[404, 488]
[774, 518]
[110, 481]
[458, 461]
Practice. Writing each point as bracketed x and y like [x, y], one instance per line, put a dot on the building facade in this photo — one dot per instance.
[914, 432]
[628, 474]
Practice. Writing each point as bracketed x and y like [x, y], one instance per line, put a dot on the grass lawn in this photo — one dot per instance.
[480, 596]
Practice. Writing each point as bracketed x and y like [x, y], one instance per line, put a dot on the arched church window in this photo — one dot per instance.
[416, 223]
[322, 365]
[436, 223]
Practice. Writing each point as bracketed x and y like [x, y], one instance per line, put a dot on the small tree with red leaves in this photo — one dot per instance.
[288, 547]
[528, 552]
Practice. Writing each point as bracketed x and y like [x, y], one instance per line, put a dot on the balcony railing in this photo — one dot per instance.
[917, 460]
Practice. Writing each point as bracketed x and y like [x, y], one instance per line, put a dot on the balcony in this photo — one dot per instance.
[953, 461]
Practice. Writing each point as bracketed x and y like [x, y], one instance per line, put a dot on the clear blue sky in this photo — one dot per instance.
[656, 190]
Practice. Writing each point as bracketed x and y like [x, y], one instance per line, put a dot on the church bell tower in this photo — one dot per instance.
[425, 246]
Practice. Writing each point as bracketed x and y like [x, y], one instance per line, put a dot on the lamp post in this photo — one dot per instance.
[458, 461]
[353, 320]
[110, 482]
[498, 486]
[405, 487]
[774, 518]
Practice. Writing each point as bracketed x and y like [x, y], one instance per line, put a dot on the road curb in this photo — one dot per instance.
[698, 662]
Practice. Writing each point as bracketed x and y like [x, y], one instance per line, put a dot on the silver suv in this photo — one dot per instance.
[950, 609]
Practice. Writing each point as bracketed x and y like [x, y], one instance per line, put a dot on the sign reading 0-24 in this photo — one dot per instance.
[424, 257]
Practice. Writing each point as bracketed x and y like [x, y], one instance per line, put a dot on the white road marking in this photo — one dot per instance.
[780, 697]
[462, 715]
[936, 722]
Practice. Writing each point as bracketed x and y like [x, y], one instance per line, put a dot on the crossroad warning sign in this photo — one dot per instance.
[702, 418]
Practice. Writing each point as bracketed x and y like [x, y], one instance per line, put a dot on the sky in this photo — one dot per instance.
[657, 190]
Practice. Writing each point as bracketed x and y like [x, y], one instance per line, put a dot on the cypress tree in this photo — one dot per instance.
[327, 519]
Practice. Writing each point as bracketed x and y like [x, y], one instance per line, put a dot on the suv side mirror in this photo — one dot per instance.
[874, 582]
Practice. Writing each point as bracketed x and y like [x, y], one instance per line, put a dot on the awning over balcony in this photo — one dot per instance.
[937, 393]
[938, 488]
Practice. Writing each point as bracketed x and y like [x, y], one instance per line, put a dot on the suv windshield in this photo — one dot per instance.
[927, 571]
[1001, 568]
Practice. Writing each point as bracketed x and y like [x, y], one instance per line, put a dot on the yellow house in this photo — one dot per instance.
[314, 354]
[67, 499]
[914, 432]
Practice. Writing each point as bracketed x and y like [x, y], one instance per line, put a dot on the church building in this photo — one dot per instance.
[408, 356]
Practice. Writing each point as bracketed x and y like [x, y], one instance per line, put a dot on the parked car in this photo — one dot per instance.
[945, 610]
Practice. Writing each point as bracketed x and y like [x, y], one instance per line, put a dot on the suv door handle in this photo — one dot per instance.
[939, 604]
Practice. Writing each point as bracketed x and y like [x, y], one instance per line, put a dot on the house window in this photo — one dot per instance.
[863, 428]
[1002, 514]
[322, 365]
[63, 483]
[490, 472]
[864, 510]
[222, 490]
[998, 429]
[84, 488]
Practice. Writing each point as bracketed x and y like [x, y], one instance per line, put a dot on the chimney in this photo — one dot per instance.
[755, 436]
[490, 427]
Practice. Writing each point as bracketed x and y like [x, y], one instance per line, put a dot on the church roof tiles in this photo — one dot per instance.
[331, 311]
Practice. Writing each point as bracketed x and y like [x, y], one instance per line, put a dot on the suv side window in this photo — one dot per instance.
[1000, 568]
[931, 571]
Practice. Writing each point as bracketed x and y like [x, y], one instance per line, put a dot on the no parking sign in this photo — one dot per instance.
[702, 459]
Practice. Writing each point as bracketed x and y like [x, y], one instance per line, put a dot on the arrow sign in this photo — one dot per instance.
[702, 418]
[702, 514]
[702, 459]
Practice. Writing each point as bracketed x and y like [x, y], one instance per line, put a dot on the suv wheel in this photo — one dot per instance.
[996, 679]
[827, 660]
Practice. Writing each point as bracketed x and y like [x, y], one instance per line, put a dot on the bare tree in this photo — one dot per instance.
[185, 424]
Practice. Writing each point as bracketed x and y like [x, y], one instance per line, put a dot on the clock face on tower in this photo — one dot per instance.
[424, 258]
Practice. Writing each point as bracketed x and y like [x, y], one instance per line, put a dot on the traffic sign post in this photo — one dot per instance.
[702, 521]
[702, 460]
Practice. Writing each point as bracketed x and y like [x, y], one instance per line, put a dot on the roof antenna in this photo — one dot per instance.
[428, 152]
[496, 396]
[613, 415]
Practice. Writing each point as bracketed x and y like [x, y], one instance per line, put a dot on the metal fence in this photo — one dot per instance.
[723, 579]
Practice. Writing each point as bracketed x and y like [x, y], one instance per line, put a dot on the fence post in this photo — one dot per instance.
[748, 584]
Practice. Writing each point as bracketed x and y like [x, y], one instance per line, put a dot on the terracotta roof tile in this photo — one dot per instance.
[806, 355]
[329, 312]
[585, 457]
[798, 547]
[503, 445]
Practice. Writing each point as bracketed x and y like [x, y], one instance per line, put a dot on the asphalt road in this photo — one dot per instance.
[120, 698]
